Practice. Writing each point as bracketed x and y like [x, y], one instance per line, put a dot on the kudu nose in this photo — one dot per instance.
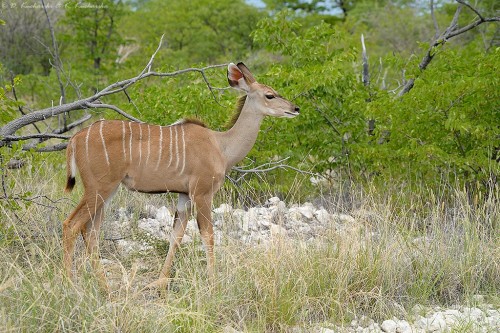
[297, 109]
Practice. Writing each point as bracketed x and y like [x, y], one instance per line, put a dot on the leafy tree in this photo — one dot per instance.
[316, 70]
[93, 29]
[23, 38]
[195, 31]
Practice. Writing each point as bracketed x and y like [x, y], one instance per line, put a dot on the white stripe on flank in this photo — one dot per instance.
[161, 147]
[176, 148]
[130, 142]
[104, 143]
[123, 141]
[87, 141]
[183, 151]
[149, 144]
[140, 144]
[170, 148]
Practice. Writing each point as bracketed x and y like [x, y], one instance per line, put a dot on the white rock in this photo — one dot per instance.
[187, 239]
[322, 216]
[129, 247]
[153, 227]
[473, 314]
[294, 215]
[307, 210]
[264, 223]
[325, 330]
[342, 218]
[223, 209]
[452, 316]
[389, 326]
[273, 201]
[164, 215]
[404, 327]
[435, 323]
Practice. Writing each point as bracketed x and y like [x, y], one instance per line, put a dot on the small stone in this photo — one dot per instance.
[389, 326]
[264, 223]
[307, 210]
[404, 327]
[273, 201]
[223, 209]
[473, 313]
[322, 216]
[164, 215]
[342, 218]
[452, 316]
[435, 323]
[294, 215]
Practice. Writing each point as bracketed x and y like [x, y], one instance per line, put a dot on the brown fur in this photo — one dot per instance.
[196, 121]
[184, 158]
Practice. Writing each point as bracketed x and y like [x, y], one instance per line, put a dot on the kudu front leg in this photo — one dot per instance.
[178, 231]
[205, 225]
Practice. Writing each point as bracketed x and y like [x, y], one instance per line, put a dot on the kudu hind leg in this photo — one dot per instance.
[84, 215]
[90, 235]
[73, 225]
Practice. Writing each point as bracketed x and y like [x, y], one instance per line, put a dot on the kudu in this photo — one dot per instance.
[185, 158]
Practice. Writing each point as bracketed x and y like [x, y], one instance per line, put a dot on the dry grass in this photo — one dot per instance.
[405, 249]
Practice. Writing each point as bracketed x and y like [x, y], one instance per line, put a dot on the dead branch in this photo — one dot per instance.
[451, 31]
[266, 167]
[7, 132]
[366, 73]
[55, 55]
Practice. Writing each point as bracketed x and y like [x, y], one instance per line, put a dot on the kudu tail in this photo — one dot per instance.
[70, 167]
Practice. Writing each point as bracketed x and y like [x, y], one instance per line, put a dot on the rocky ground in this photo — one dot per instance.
[261, 225]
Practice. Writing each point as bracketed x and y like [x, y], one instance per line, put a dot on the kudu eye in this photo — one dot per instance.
[269, 96]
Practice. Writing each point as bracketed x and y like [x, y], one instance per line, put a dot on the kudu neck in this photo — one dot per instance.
[237, 142]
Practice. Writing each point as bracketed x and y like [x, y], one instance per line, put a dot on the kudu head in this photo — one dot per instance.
[263, 99]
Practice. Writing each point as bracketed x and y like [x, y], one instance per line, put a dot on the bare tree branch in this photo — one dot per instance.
[55, 55]
[436, 25]
[266, 167]
[451, 31]
[366, 73]
[12, 138]
[8, 130]
[72, 125]
[114, 108]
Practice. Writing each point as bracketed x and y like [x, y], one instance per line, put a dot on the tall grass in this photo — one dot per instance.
[406, 248]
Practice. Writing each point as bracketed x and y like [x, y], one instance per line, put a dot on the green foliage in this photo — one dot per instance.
[93, 30]
[8, 106]
[195, 31]
[447, 124]
[24, 35]
[316, 70]
[444, 126]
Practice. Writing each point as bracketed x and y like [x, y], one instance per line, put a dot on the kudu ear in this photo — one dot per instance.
[239, 76]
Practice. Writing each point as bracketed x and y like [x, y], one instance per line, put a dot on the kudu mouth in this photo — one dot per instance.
[294, 113]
